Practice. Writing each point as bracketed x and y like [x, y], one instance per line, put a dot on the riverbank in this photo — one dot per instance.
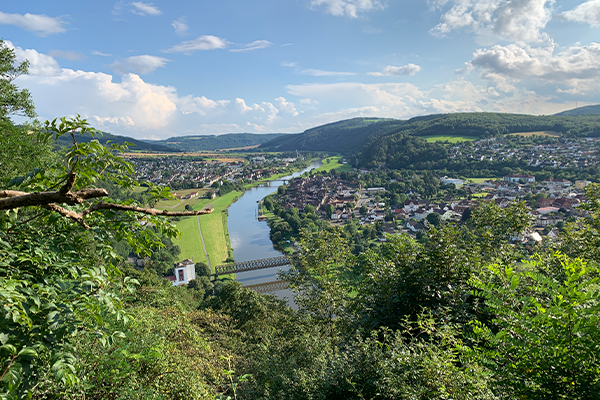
[214, 226]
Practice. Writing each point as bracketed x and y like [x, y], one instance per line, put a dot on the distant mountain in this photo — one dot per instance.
[104, 137]
[587, 110]
[218, 142]
[342, 136]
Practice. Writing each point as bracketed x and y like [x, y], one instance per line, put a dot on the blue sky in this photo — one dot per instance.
[172, 68]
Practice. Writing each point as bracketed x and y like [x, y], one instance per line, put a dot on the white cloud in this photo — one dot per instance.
[286, 106]
[320, 72]
[265, 112]
[347, 8]
[516, 20]
[256, 45]
[575, 70]
[66, 54]
[40, 24]
[180, 26]
[409, 69]
[39, 64]
[289, 64]
[588, 12]
[143, 64]
[97, 53]
[141, 8]
[200, 105]
[206, 42]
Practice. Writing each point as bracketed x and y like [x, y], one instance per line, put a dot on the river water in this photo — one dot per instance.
[250, 237]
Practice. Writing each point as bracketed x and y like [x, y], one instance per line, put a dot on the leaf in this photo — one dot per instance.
[28, 352]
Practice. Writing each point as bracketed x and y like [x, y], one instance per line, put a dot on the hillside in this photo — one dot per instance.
[587, 110]
[377, 140]
[342, 136]
[218, 142]
[104, 137]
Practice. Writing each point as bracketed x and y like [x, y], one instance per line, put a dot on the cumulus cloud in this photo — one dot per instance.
[286, 106]
[180, 26]
[347, 8]
[141, 8]
[574, 70]
[588, 12]
[143, 64]
[39, 64]
[205, 42]
[390, 70]
[40, 24]
[256, 45]
[200, 105]
[516, 20]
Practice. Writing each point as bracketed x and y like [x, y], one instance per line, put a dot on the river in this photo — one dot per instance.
[249, 237]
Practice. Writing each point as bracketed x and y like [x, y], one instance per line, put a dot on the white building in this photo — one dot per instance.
[184, 272]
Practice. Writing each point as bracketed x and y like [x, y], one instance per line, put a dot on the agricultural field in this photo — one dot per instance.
[334, 163]
[537, 133]
[447, 138]
[189, 242]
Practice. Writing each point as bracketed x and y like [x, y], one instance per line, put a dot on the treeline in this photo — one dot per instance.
[368, 135]
[217, 142]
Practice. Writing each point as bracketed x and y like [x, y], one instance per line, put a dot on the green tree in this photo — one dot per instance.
[59, 276]
[12, 99]
[543, 341]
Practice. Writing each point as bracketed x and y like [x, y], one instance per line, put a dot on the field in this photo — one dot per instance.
[214, 230]
[479, 180]
[451, 139]
[538, 133]
[189, 242]
[334, 163]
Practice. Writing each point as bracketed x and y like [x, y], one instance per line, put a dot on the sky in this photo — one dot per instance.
[154, 70]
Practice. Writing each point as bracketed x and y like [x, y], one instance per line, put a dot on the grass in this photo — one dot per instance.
[451, 139]
[479, 180]
[190, 242]
[334, 163]
[537, 133]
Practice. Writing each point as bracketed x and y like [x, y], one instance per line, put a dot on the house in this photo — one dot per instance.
[414, 226]
[184, 272]
[518, 178]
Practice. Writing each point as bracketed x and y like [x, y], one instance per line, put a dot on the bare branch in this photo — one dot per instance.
[149, 211]
[66, 213]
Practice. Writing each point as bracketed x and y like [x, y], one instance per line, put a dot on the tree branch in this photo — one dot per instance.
[150, 211]
[10, 199]
[68, 214]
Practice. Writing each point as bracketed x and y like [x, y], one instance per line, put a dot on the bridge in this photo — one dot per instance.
[268, 287]
[251, 265]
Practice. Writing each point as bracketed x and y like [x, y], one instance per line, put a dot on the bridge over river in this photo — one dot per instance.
[251, 265]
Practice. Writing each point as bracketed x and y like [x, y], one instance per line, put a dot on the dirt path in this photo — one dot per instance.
[203, 245]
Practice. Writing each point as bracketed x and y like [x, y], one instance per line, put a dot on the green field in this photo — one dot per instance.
[189, 242]
[334, 163]
[537, 133]
[451, 139]
[479, 180]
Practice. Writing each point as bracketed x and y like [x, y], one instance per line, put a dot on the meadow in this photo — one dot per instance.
[447, 138]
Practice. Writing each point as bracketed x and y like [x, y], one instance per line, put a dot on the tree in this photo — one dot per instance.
[434, 219]
[316, 277]
[543, 341]
[13, 100]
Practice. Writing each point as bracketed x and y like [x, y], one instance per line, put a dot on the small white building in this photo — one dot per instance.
[184, 272]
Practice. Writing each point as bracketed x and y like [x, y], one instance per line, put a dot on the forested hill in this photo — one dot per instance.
[218, 142]
[587, 110]
[373, 137]
[342, 136]
[104, 137]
